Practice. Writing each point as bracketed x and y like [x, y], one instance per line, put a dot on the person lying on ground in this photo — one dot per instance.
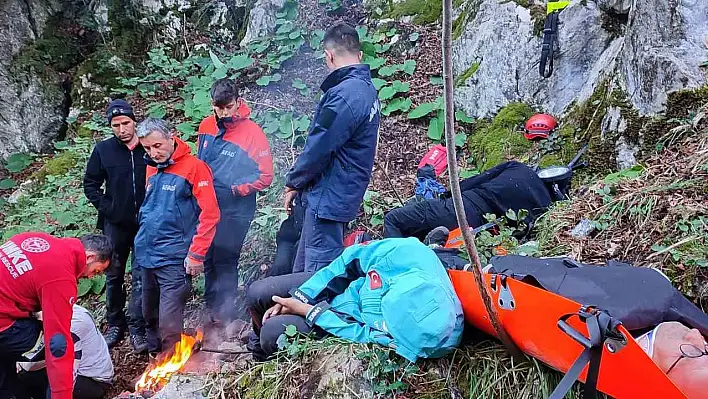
[119, 163]
[392, 292]
[510, 185]
[40, 273]
[238, 154]
[93, 366]
[177, 224]
[681, 353]
[335, 166]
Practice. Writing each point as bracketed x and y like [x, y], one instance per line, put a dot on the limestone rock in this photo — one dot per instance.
[655, 48]
[261, 20]
[341, 377]
[626, 154]
[183, 387]
[32, 107]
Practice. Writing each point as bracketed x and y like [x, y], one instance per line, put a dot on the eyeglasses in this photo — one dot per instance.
[689, 351]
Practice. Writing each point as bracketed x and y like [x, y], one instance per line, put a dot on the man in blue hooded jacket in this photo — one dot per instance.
[392, 292]
[334, 168]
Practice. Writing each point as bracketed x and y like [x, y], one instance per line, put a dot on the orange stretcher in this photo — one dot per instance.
[533, 318]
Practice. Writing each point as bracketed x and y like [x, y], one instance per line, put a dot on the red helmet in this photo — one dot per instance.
[539, 126]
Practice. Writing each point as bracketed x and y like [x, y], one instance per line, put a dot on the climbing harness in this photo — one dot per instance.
[550, 36]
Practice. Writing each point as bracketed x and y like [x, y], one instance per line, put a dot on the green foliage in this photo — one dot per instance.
[375, 205]
[426, 108]
[386, 370]
[397, 104]
[509, 226]
[282, 124]
[631, 173]
[18, 162]
[389, 91]
[269, 217]
[331, 6]
[423, 11]
[499, 140]
[466, 74]
[59, 165]
[408, 67]
[266, 80]
[300, 85]
[6, 184]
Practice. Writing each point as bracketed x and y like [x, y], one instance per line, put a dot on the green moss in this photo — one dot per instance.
[551, 160]
[680, 103]
[538, 16]
[59, 165]
[422, 11]
[102, 69]
[501, 140]
[130, 38]
[467, 14]
[462, 79]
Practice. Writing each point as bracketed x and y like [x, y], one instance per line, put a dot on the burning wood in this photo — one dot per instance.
[158, 373]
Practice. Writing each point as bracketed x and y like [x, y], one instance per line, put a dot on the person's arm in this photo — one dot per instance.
[333, 279]
[93, 179]
[329, 132]
[56, 300]
[203, 191]
[259, 152]
[345, 327]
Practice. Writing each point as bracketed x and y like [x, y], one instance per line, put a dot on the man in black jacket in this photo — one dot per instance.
[118, 162]
[510, 185]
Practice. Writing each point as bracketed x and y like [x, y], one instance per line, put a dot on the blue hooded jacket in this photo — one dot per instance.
[394, 292]
[335, 166]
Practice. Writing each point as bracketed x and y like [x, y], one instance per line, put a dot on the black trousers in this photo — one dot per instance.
[165, 293]
[221, 266]
[36, 385]
[23, 336]
[263, 341]
[122, 239]
[416, 219]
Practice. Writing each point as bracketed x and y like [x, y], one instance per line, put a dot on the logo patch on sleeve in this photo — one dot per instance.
[374, 280]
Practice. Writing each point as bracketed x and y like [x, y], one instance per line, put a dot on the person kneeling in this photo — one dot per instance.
[93, 368]
[393, 292]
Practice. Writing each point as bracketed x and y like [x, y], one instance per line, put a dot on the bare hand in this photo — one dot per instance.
[290, 194]
[272, 312]
[292, 306]
[193, 267]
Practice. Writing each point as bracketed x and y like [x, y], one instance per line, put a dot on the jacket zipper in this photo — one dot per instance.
[132, 166]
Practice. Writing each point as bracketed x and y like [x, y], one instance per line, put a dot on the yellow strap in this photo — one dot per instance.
[556, 6]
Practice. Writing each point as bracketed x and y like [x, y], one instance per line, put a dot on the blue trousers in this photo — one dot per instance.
[165, 293]
[221, 266]
[321, 241]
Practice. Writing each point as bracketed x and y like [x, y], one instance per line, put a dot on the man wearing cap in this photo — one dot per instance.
[119, 163]
[392, 292]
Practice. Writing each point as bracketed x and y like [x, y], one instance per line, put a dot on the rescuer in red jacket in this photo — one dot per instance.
[39, 273]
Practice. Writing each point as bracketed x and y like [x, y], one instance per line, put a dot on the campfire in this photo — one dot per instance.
[158, 373]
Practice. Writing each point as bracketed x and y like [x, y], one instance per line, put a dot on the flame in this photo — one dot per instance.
[158, 373]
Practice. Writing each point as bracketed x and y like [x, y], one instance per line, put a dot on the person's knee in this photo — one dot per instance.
[271, 331]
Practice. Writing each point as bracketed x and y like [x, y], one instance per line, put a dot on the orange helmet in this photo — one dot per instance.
[539, 126]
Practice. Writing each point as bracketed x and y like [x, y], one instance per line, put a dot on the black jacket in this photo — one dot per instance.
[510, 185]
[123, 172]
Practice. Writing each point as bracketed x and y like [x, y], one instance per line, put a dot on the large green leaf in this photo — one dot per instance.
[397, 104]
[387, 92]
[460, 139]
[388, 70]
[6, 184]
[401, 87]
[285, 28]
[215, 60]
[98, 283]
[240, 61]
[409, 66]
[299, 84]
[84, 286]
[316, 39]
[461, 116]
[436, 128]
[378, 83]
[302, 124]
[422, 110]
[157, 110]
[374, 62]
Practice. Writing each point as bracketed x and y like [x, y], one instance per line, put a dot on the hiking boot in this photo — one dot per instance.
[139, 342]
[114, 335]
[437, 236]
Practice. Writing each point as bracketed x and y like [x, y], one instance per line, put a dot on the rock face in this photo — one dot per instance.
[32, 107]
[261, 19]
[647, 47]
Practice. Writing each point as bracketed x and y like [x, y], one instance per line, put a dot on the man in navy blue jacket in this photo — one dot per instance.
[334, 168]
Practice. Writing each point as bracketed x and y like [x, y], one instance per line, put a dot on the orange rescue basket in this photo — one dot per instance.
[530, 316]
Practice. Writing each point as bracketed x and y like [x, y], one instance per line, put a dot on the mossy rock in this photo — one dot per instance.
[466, 74]
[58, 165]
[101, 72]
[129, 36]
[501, 140]
[467, 14]
[422, 11]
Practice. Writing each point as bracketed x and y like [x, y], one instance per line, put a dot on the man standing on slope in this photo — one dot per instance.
[118, 162]
[177, 224]
[39, 273]
[334, 168]
[237, 151]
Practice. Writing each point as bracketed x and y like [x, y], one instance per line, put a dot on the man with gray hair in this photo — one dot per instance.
[177, 224]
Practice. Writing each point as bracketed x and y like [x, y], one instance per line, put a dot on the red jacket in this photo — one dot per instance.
[180, 212]
[238, 153]
[40, 273]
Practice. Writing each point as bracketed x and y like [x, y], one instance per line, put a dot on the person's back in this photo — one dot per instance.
[95, 362]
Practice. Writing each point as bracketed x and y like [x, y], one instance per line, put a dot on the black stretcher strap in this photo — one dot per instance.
[598, 324]
[550, 33]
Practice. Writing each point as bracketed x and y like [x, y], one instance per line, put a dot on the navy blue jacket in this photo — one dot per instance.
[335, 166]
